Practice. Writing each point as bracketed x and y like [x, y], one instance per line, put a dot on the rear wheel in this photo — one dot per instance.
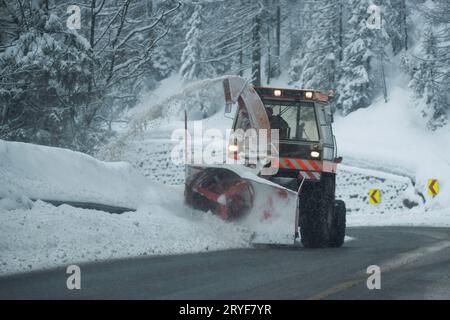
[337, 235]
[316, 212]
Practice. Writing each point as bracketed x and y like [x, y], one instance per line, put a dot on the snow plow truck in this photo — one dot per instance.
[300, 162]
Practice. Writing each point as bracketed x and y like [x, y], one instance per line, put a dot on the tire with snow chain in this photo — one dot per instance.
[337, 234]
[316, 212]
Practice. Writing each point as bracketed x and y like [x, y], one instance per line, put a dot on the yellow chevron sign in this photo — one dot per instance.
[374, 196]
[433, 187]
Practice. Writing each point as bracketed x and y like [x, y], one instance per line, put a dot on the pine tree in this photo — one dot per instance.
[316, 63]
[298, 38]
[272, 19]
[431, 66]
[44, 72]
[365, 49]
[396, 24]
[429, 92]
[256, 48]
[63, 87]
[191, 59]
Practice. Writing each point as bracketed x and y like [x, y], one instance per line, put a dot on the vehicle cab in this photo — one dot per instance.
[306, 142]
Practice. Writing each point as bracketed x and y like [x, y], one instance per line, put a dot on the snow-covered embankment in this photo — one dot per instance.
[37, 235]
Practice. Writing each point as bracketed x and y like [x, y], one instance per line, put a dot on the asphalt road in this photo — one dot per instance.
[414, 262]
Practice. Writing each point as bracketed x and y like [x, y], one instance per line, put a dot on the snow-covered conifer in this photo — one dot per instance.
[191, 59]
[362, 55]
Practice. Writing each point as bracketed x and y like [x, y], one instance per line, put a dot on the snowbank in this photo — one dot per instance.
[40, 172]
[47, 236]
[390, 137]
[36, 235]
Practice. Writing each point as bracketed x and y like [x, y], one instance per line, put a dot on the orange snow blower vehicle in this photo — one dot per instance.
[299, 162]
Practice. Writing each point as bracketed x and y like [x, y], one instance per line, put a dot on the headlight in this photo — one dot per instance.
[277, 93]
[308, 94]
[315, 154]
[233, 148]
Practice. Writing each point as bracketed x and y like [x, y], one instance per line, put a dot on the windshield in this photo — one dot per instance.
[295, 121]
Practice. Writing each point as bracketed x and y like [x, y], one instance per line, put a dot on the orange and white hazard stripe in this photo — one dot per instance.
[309, 169]
[310, 175]
[299, 164]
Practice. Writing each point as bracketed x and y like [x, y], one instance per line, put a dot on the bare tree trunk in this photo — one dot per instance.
[4, 113]
[383, 75]
[341, 32]
[92, 31]
[269, 56]
[149, 8]
[405, 26]
[277, 64]
[92, 43]
[256, 52]
[383, 79]
[241, 57]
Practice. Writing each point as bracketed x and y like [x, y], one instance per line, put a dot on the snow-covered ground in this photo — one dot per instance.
[35, 235]
[384, 147]
[40, 172]
[389, 137]
[46, 236]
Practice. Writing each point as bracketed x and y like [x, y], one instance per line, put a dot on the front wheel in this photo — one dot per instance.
[316, 212]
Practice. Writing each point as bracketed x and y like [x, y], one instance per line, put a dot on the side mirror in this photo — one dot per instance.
[228, 107]
[338, 160]
[227, 95]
